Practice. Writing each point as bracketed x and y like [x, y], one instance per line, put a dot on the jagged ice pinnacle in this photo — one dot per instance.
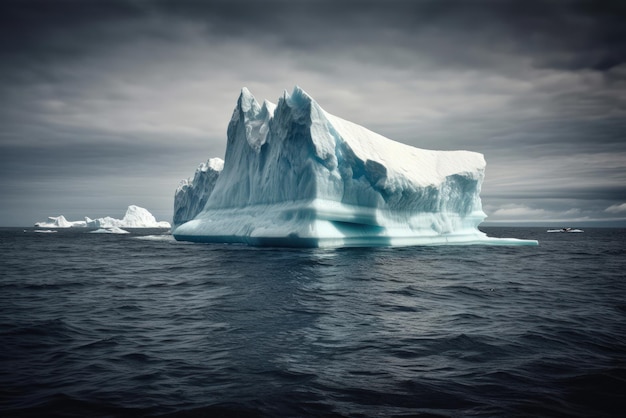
[295, 175]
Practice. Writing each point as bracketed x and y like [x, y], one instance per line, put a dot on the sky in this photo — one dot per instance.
[104, 104]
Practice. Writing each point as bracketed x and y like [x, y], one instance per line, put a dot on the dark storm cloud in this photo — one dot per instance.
[93, 88]
[493, 36]
[555, 34]
[44, 30]
[570, 35]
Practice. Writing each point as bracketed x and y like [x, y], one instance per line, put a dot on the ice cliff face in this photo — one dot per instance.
[296, 175]
[193, 193]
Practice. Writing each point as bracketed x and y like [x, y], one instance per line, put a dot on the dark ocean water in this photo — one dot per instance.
[140, 325]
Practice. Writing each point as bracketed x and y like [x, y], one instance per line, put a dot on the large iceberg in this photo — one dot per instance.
[295, 175]
[135, 217]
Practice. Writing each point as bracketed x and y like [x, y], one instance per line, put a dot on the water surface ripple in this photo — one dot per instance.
[140, 325]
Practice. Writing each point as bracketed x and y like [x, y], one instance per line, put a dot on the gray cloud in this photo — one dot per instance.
[114, 93]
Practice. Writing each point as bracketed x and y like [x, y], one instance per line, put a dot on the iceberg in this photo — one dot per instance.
[193, 193]
[59, 222]
[135, 217]
[294, 175]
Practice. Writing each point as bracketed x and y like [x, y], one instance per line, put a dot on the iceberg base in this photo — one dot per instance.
[346, 242]
[321, 223]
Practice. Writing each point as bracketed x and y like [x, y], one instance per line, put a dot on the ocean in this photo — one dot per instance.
[112, 325]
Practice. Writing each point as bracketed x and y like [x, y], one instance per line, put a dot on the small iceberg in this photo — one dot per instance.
[59, 222]
[111, 230]
[565, 230]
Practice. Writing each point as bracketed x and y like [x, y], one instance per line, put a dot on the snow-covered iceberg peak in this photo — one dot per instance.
[138, 217]
[295, 175]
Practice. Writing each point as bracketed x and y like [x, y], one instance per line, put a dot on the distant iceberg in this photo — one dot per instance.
[295, 175]
[58, 222]
[135, 217]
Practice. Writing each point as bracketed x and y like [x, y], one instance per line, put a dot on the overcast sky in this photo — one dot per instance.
[104, 104]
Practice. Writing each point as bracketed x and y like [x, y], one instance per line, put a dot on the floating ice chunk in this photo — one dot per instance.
[135, 217]
[59, 222]
[110, 230]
